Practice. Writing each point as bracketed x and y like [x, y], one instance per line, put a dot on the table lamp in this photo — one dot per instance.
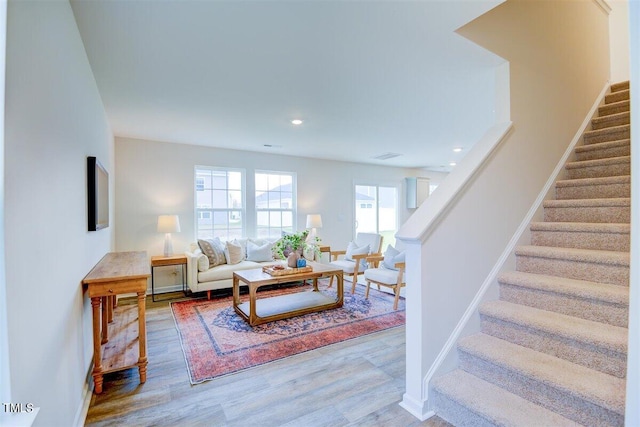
[313, 221]
[168, 224]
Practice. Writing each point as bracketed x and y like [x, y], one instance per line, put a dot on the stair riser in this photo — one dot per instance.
[603, 273]
[609, 122]
[607, 110]
[607, 135]
[557, 400]
[594, 357]
[457, 414]
[607, 214]
[597, 191]
[581, 240]
[597, 311]
[605, 153]
[617, 169]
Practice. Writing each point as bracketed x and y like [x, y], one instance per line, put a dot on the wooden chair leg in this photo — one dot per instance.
[366, 292]
[354, 283]
[208, 295]
[395, 302]
[330, 282]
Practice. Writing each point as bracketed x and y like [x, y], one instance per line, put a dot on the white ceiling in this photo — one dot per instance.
[367, 77]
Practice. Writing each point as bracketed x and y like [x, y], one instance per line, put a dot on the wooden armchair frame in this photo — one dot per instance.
[375, 260]
[356, 268]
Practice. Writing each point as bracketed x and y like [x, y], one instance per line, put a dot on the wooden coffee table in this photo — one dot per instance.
[257, 311]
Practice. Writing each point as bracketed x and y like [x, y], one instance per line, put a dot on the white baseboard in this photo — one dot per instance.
[87, 394]
[416, 408]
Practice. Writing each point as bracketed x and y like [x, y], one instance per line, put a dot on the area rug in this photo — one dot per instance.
[217, 342]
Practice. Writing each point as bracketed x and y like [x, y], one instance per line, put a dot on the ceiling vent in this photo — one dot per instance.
[386, 156]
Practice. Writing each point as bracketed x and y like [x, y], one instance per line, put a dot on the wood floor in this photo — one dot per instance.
[354, 383]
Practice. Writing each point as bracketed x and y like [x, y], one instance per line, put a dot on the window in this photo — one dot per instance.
[219, 195]
[275, 203]
[377, 211]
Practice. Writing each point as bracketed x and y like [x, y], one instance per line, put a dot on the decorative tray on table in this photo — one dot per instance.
[281, 270]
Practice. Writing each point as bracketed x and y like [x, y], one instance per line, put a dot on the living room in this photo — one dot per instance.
[54, 119]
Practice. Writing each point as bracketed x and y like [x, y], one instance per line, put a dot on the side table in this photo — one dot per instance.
[163, 261]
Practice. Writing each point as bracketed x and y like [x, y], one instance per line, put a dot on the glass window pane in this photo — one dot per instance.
[262, 182]
[263, 219]
[235, 180]
[287, 219]
[275, 219]
[203, 199]
[220, 219]
[219, 199]
[219, 180]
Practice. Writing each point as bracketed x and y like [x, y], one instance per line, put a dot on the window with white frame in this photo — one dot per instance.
[220, 207]
[275, 203]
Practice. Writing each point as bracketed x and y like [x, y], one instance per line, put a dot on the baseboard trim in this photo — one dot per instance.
[418, 409]
[87, 394]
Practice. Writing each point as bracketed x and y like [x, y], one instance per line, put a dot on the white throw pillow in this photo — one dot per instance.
[259, 253]
[203, 263]
[391, 256]
[233, 252]
[353, 249]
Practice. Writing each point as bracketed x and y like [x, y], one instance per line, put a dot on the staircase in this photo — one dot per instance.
[552, 350]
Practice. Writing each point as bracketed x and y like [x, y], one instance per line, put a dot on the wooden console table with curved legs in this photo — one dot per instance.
[118, 273]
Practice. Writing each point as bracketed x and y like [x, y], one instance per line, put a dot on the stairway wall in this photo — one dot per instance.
[450, 260]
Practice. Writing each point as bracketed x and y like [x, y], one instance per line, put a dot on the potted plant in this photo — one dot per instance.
[296, 242]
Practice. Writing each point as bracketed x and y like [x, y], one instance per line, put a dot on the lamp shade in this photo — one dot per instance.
[314, 221]
[168, 224]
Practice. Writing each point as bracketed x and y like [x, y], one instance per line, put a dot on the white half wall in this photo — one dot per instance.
[154, 178]
[619, 40]
[54, 119]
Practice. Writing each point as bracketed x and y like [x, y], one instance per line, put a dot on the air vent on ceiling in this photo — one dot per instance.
[386, 156]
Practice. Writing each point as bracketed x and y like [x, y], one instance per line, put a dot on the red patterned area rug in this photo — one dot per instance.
[217, 342]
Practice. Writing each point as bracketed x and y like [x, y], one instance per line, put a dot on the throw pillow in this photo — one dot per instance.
[353, 249]
[259, 253]
[233, 252]
[214, 250]
[203, 263]
[391, 256]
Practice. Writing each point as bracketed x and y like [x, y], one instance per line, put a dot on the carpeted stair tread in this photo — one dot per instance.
[603, 180]
[607, 134]
[624, 85]
[616, 119]
[614, 107]
[618, 95]
[584, 289]
[602, 150]
[576, 255]
[612, 338]
[581, 235]
[595, 387]
[579, 227]
[495, 404]
[599, 162]
[587, 203]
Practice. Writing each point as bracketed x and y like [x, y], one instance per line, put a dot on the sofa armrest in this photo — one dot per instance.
[192, 269]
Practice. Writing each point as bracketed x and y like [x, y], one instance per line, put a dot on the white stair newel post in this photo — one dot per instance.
[415, 398]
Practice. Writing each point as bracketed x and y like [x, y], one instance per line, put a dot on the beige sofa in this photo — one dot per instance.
[201, 277]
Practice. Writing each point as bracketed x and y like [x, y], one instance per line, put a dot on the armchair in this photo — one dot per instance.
[353, 261]
[383, 276]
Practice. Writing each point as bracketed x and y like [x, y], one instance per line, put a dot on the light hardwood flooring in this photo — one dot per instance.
[355, 383]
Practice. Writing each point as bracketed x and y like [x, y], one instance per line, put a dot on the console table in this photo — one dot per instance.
[118, 273]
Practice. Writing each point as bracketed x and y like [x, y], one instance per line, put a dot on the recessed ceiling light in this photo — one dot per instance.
[272, 145]
[296, 122]
[452, 163]
[457, 149]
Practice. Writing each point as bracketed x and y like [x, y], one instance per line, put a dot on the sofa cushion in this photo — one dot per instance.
[383, 275]
[214, 250]
[225, 271]
[233, 252]
[259, 253]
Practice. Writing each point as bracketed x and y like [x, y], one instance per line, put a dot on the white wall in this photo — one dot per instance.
[619, 40]
[54, 120]
[154, 178]
[5, 374]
